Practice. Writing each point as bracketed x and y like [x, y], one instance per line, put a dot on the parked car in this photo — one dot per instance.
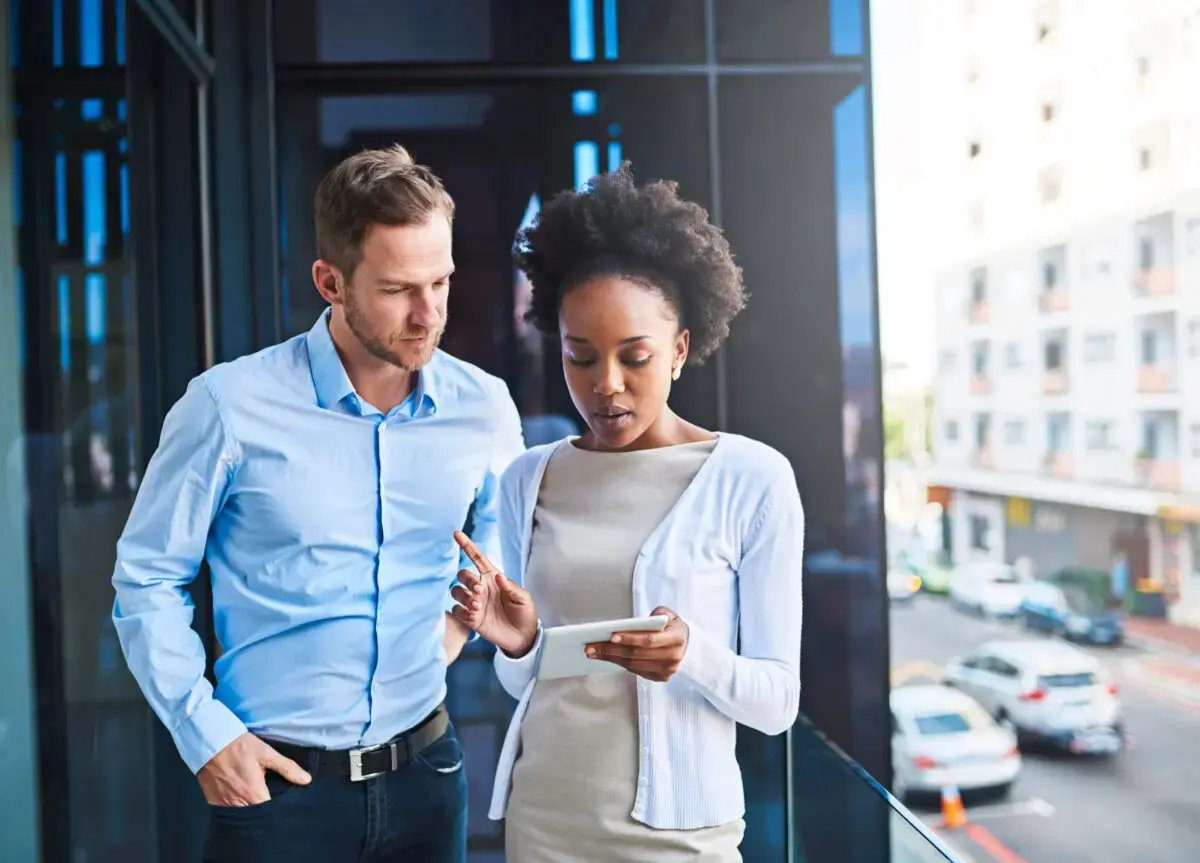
[1045, 691]
[987, 588]
[943, 737]
[902, 584]
[1069, 612]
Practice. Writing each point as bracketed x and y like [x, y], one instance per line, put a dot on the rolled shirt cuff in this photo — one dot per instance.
[211, 727]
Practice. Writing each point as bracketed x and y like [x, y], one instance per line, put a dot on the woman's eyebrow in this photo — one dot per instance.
[580, 340]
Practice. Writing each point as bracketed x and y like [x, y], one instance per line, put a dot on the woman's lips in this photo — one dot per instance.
[612, 421]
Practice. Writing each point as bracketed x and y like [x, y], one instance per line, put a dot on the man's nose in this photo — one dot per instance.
[425, 311]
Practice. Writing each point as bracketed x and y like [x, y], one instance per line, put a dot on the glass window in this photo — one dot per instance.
[980, 532]
[1146, 253]
[1054, 355]
[943, 723]
[966, 719]
[782, 31]
[502, 152]
[1014, 432]
[477, 31]
[1066, 681]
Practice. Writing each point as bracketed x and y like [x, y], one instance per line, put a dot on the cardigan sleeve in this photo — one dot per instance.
[760, 685]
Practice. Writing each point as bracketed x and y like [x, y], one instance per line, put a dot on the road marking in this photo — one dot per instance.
[1040, 807]
[907, 671]
[1032, 806]
[955, 844]
[983, 837]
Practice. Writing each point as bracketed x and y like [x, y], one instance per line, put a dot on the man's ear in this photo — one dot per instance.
[329, 282]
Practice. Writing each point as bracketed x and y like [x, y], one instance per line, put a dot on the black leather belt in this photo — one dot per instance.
[369, 761]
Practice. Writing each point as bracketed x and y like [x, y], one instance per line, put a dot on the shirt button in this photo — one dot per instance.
[643, 782]
[383, 425]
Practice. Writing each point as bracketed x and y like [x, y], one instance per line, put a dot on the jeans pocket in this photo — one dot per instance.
[277, 787]
[444, 755]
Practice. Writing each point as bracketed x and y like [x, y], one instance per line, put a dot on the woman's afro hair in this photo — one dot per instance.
[645, 233]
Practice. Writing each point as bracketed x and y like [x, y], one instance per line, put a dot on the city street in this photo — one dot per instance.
[1143, 805]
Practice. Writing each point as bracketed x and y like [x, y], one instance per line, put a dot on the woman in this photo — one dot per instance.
[646, 513]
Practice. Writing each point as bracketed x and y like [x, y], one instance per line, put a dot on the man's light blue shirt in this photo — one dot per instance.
[328, 528]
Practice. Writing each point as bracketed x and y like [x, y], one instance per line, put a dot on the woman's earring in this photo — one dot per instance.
[675, 373]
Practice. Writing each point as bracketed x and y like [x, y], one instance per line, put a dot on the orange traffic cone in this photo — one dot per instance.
[954, 815]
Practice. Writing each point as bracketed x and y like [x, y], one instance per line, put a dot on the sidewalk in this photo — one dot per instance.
[1162, 635]
[1179, 673]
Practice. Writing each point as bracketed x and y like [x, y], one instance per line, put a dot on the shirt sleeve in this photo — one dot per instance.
[760, 686]
[507, 443]
[158, 555]
[514, 674]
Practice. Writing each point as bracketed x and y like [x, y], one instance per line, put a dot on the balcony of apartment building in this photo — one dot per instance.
[1157, 359]
[1154, 257]
[977, 307]
[1156, 464]
[1055, 381]
[1057, 460]
[981, 384]
[981, 452]
[1052, 270]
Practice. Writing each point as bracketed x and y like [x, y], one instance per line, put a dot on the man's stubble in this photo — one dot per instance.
[381, 349]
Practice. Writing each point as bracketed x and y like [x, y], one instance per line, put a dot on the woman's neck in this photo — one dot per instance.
[668, 430]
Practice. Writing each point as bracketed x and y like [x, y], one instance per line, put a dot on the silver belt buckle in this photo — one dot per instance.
[356, 757]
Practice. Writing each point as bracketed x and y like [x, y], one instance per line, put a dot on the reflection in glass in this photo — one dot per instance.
[474, 31]
[784, 31]
[583, 31]
[847, 814]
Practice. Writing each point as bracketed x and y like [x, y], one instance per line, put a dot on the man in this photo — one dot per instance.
[324, 479]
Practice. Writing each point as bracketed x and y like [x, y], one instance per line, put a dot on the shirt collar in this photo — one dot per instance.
[332, 384]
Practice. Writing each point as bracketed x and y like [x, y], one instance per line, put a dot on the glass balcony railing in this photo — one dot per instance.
[842, 815]
[806, 800]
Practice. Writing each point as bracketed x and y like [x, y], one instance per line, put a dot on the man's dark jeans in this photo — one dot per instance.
[417, 813]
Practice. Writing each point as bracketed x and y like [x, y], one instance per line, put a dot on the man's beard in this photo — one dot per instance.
[381, 349]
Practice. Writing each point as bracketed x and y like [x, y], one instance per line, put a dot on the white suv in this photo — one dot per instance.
[1046, 691]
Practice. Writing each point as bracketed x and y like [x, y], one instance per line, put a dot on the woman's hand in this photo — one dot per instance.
[492, 605]
[653, 655]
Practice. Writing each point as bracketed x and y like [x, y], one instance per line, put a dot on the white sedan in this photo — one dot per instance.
[943, 737]
[1046, 691]
[987, 588]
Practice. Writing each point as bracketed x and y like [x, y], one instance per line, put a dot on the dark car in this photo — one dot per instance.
[1070, 612]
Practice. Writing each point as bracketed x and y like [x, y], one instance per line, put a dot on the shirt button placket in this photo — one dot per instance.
[381, 449]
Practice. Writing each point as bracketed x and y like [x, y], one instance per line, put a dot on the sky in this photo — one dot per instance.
[902, 169]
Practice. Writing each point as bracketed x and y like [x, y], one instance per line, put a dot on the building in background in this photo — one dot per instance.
[1067, 391]
[162, 163]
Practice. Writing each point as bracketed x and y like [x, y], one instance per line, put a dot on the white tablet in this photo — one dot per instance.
[563, 646]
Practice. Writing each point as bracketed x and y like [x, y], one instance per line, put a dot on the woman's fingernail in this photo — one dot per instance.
[591, 651]
[616, 639]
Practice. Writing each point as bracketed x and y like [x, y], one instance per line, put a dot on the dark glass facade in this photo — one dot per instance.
[164, 157]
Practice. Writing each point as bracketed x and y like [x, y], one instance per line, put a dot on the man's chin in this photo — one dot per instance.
[416, 356]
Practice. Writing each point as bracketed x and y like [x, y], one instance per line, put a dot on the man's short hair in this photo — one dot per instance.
[374, 187]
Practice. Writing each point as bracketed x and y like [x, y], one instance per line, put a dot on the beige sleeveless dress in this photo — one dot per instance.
[576, 775]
